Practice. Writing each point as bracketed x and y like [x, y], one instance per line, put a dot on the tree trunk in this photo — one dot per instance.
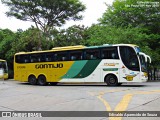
[39, 38]
[154, 73]
[151, 75]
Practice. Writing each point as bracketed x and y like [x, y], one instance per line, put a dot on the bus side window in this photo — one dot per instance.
[36, 58]
[21, 59]
[110, 53]
[64, 58]
[73, 58]
[49, 57]
[41, 57]
[92, 54]
[17, 59]
[76, 55]
[33, 59]
[55, 57]
[61, 56]
[113, 55]
[25, 59]
[102, 55]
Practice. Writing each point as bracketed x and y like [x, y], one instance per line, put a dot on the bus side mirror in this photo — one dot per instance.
[145, 59]
[143, 54]
[148, 57]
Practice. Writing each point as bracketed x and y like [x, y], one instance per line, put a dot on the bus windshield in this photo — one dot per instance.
[143, 63]
[3, 65]
[129, 58]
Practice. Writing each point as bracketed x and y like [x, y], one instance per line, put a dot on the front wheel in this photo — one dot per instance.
[111, 80]
[42, 80]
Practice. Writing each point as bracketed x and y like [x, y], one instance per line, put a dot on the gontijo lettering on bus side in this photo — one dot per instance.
[43, 66]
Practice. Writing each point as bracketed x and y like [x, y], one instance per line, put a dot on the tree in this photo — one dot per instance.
[46, 14]
[99, 35]
[6, 38]
[140, 14]
[74, 35]
[143, 15]
[27, 41]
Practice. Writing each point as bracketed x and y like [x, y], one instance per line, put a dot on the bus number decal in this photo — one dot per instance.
[43, 66]
[21, 67]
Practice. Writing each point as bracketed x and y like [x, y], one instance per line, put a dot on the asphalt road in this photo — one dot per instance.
[139, 97]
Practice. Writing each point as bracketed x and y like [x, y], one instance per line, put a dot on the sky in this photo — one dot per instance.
[94, 11]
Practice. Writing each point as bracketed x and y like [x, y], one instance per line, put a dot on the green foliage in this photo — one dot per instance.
[6, 37]
[139, 16]
[112, 35]
[11, 43]
[74, 35]
[46, 13]
[27, 41]
[133, 13]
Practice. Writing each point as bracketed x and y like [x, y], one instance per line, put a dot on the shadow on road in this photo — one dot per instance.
[85, 85]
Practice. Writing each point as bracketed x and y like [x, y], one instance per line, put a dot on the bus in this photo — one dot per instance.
[113, 64]
[4, 67]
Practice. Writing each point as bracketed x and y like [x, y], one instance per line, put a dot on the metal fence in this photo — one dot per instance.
[154, 74]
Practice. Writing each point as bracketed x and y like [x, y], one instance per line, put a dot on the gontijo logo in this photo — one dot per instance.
[43, 66]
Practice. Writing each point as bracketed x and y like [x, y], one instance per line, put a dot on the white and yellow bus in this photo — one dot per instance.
[112, 64]
[4, 67]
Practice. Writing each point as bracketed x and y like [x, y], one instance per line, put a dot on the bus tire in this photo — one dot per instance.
[111, 80]
[32, 80]
[42, 80]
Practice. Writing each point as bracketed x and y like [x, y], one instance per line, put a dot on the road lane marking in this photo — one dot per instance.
[123, 104]
[147, 92]
[108, 108]
[92, 93]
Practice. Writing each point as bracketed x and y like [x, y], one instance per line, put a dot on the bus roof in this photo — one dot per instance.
[132, 45]
[110, 45]
[1, 60]
[77, 47]
[68, 48]
[55, 49]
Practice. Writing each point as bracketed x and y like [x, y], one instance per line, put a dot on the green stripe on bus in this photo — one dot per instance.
[75, 69]
[110, 69]
[88, 68]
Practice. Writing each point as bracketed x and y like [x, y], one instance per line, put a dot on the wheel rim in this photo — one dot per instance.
[32, 80]
[112, 80]
[41, 80]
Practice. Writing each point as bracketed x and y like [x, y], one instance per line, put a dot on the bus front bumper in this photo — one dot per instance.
[144, 77]
[5, 76]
